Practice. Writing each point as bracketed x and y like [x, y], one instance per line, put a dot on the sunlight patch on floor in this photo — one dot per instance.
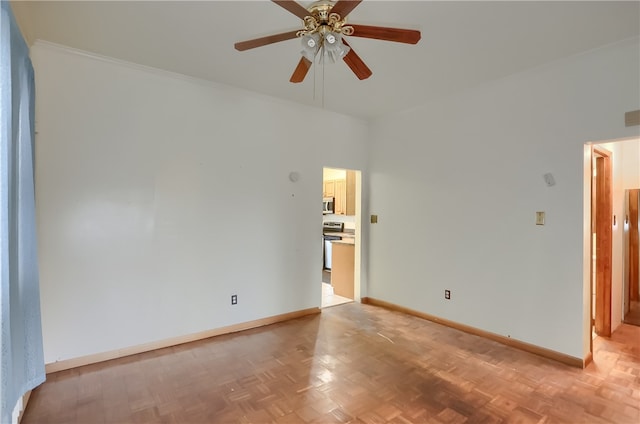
[331, 299]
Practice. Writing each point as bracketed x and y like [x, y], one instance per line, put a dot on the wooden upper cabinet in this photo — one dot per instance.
[344, 192]
[350, 190]
[329, 189]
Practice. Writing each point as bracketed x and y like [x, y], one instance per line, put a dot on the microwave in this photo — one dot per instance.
[328, 205]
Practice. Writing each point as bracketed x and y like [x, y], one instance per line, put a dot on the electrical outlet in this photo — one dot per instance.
[234, 299]
[447, 294]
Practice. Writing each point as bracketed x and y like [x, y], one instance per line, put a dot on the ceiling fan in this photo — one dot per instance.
[324, 25]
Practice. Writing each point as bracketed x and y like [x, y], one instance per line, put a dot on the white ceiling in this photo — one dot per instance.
[463, 43]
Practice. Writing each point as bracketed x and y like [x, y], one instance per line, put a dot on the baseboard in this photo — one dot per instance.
[527, 347]
[25, 401]
[133, 350]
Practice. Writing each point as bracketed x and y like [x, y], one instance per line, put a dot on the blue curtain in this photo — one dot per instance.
[21, 354]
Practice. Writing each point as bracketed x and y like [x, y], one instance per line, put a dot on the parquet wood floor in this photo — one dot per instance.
[633, 316]
[351, 364]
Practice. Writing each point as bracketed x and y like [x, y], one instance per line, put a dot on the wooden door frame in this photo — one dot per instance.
[632, 251]
[602, 199]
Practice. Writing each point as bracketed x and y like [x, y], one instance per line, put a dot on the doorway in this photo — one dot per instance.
[341, 226]
[611, 170]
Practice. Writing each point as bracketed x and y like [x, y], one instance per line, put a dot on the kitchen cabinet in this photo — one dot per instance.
[329, 188]
[350, 193]
[340, 198]
[344, 192]
[342, 268]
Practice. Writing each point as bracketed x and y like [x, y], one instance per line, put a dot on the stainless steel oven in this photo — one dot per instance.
[329, 234]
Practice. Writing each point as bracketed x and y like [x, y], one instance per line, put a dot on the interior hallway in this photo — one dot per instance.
[351, 363]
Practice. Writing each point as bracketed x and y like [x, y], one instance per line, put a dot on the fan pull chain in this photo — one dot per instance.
[314, 81]
[323, 80]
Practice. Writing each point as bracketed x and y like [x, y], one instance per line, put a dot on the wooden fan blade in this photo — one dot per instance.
[292, 7]
[301, 70]
[263, 41]
[356, 64]
[344, 7]
[398, 35]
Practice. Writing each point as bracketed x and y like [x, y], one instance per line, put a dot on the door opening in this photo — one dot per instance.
[341, 236]
[611, 173]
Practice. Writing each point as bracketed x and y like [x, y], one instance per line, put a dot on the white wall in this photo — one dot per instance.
[160, 196]
[630, 164]
[456, 184]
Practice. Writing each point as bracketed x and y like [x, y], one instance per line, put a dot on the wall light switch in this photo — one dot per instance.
[540, 218]
[374, 219]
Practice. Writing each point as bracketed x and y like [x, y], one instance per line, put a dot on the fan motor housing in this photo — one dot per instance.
[321, 10]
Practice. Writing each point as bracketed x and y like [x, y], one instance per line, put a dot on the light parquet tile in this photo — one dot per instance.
[351, 364]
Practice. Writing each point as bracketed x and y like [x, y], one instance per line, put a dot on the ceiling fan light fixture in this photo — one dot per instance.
[310, 45]
[324, 22]
[333, 47]
[331, 39]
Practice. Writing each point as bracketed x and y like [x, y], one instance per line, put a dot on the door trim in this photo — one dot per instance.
[632, 252]
[602, 200]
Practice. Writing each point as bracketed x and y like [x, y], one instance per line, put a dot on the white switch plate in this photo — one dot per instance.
[540, 218]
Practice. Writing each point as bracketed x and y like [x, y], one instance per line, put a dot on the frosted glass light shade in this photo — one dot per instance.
[310, 46]
[333, 47]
